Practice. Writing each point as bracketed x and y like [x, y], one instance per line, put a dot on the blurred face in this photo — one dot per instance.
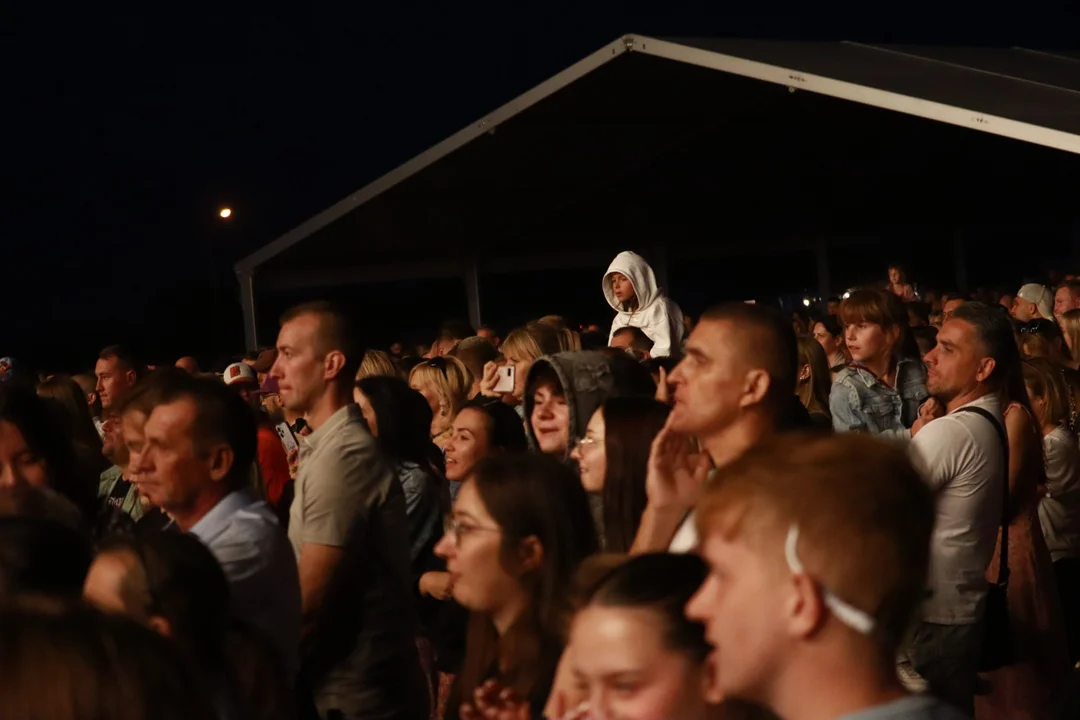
[620, 662]
[894, 276]
[367, 411]
[272, 404]
[249, 392]
[551, 420]
[170, 470]
[825, 339]
[709, 381]
[622, 288]
[868, 342]
[468, 444]
[489, 334]
[832, 307]
[1006, 301]
[590, 454]
[112, 442]
[1023, 310]
[19, 465]
[473, 552]
[113, 381]
[1064, 302]
[300, 370]
[741, 604]
[429, 394]
[134, 439]
[105, 583]
[956, 364]
[622, 341]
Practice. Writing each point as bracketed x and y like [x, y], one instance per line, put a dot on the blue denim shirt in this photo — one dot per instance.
[860, 402]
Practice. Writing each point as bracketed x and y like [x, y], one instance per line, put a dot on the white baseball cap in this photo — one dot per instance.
[239, 373]
[1041, 296]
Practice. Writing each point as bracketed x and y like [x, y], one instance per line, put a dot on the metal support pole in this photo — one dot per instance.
[472, 293]
[1074, 256]
[824, 280]
[247, 303]
[960, 260]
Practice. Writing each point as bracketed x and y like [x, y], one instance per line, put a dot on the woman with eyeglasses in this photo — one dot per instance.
[519, 528]
[612, 460]
[444, 382]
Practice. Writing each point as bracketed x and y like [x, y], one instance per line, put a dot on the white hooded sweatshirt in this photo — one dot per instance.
[657, 316]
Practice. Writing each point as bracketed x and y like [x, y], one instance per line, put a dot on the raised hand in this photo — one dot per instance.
[676, 471]
[663, 389]
[436, 584]
[489, 379]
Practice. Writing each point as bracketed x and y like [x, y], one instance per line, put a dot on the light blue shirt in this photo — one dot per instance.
[244, 535]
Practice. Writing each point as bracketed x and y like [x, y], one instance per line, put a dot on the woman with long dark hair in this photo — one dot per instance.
[68, 403]
[519, 528]
[35, 451]
[399, 418]
[613, 457]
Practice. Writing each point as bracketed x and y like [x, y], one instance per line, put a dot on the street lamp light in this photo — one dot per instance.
[225, 212]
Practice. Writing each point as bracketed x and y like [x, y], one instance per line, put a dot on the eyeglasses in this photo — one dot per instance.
[585, 442]
[853, 617]
[455, 529]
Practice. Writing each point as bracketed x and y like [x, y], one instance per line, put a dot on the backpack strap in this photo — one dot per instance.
[1003, 564]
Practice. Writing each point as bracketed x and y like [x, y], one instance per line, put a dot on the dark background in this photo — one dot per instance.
[126, 131]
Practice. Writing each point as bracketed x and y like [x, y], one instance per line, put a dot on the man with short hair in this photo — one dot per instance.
[349, 531]
[801, 624]
[732, 390]
[1033, 301]
[950, 301]
[1066, 298]
[962, 456]
[116, 371]
[198, 448]
[634, 341]
[476, 352]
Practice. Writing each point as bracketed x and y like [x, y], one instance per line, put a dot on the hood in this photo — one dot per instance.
[641, 277]
[587, 381]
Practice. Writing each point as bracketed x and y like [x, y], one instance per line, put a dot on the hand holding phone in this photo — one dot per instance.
[506, 379]
[288, 440]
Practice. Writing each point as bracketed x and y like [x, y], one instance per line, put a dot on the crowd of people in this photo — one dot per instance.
[865, 508]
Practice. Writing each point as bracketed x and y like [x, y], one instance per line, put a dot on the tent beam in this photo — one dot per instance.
[247, 304]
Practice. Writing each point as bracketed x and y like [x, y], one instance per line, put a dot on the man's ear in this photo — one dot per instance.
[985, 369]
[755, 387]
[221, 462]
[334, 364]
[805, 610]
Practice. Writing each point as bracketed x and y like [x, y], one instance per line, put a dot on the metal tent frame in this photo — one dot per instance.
[1025, 95]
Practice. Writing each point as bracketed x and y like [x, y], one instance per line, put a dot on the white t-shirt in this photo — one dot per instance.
[1059, 509]
[961, 458]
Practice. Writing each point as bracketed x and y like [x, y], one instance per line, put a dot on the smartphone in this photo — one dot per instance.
[288, 440]
[506, 380]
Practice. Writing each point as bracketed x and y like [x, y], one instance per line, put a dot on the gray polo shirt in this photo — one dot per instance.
[348, 497]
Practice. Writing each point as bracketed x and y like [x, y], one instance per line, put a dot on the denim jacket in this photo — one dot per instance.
[860, 402]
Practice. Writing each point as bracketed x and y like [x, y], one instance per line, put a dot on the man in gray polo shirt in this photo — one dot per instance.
[349, 530]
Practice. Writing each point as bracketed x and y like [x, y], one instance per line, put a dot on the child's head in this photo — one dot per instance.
[871, 329]
[622, 288]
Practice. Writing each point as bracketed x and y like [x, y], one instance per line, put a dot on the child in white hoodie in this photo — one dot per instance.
[630, 289]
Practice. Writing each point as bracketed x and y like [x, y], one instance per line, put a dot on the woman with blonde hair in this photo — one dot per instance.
[377, 363]
[520, 350]
[813, 382]
[444, 382]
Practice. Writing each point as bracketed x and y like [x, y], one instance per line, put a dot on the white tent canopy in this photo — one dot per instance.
[753, 130]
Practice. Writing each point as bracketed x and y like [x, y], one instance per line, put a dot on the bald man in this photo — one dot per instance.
[732, 391]
[189, 364]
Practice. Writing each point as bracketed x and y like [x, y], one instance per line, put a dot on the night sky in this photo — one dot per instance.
[126, 132]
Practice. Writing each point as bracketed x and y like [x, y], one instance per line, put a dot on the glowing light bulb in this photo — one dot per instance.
[225, 212]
